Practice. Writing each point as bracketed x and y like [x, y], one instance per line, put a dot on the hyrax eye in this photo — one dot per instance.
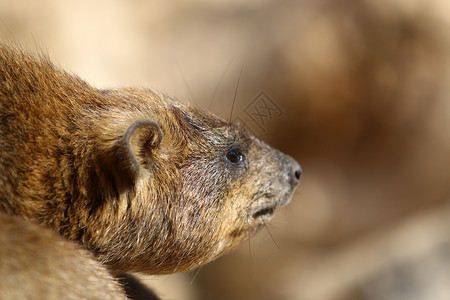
[235, 156]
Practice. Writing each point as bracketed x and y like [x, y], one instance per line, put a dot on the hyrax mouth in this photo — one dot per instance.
[265, 212]
[264, 215]
[262, 211]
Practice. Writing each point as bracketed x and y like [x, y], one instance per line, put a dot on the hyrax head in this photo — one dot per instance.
[190, 187]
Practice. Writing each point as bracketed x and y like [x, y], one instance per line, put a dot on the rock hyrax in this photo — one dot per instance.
[146, 183]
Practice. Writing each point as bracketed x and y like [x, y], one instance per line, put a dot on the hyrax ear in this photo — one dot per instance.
[140, 141]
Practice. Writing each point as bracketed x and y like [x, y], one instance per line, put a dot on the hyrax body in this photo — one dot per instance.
[144, 182]
[35, 263]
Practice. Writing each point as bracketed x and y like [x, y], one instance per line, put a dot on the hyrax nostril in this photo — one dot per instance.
[295, 172]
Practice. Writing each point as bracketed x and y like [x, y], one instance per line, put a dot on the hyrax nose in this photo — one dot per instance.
[295, 172]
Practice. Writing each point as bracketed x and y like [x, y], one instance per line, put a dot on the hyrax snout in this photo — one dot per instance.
[146, 183]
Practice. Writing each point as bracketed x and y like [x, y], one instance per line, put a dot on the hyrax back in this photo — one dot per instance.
[35, 263]
[144, 182]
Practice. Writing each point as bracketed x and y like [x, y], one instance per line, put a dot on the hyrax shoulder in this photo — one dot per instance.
[144, 182]
[35, 263]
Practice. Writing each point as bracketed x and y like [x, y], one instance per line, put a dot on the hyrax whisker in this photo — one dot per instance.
[180, 260]
[235, 95]
[196, 272]
[218, 84]
[188, 87]
[250, 249]
[271, 236]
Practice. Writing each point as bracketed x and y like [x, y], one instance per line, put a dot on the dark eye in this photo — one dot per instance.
[235, 156]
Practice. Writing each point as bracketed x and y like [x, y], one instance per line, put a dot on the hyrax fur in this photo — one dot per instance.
[144, 182]
[35, 263]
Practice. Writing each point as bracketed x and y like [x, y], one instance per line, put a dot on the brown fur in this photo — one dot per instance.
[144, 182]
[47, 264]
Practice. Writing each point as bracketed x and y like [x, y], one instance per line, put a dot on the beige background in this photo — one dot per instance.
[364, 90]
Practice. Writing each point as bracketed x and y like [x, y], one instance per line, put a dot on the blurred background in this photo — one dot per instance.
[356, 90]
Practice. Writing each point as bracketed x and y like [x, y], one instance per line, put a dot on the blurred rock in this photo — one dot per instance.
[357, 91]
